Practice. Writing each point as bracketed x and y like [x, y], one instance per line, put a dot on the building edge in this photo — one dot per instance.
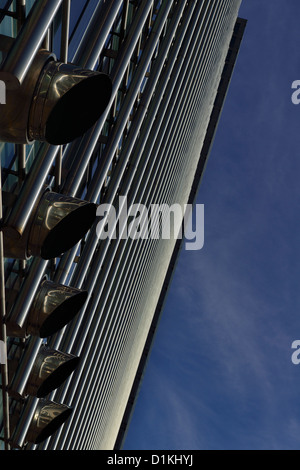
[227, 73]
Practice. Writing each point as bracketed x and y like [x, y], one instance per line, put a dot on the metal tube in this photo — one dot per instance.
[4, 368]
[29, 39]
[96, 33]
[21, 152]
[65, 30]
[116, 134]
[87, 144]
[30, 191]
[66, 7]
[21, 13]
[22, 427]
[20, 379]
[18, 314]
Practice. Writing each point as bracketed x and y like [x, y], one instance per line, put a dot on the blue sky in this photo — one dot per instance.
[220, 374]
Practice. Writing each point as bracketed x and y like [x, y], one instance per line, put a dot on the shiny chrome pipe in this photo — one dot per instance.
[66, 8]
[20, 379]
[27, 43]
[123, 117]
[3, 337]
[21, 422]
[96, 33]
[84, 150]
[17, 316]
[31, 190]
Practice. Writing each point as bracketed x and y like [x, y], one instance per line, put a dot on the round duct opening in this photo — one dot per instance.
[69, 231]
[53, 426]
[59, 223]
[78, 109]
[53, 307]
[57, 377]
[48, 418]
[62, 314]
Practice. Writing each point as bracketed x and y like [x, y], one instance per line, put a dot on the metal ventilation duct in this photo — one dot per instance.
[60, 102]
[48, 417]
[56, 225]
[53, 307]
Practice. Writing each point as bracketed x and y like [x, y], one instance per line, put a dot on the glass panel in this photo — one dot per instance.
[8, 26]
[7, 154]
[29, 4]
[5, 4]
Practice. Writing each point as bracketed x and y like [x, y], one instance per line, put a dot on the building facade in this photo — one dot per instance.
[108, 109]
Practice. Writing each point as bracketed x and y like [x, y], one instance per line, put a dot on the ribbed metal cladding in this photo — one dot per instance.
[146, 147]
